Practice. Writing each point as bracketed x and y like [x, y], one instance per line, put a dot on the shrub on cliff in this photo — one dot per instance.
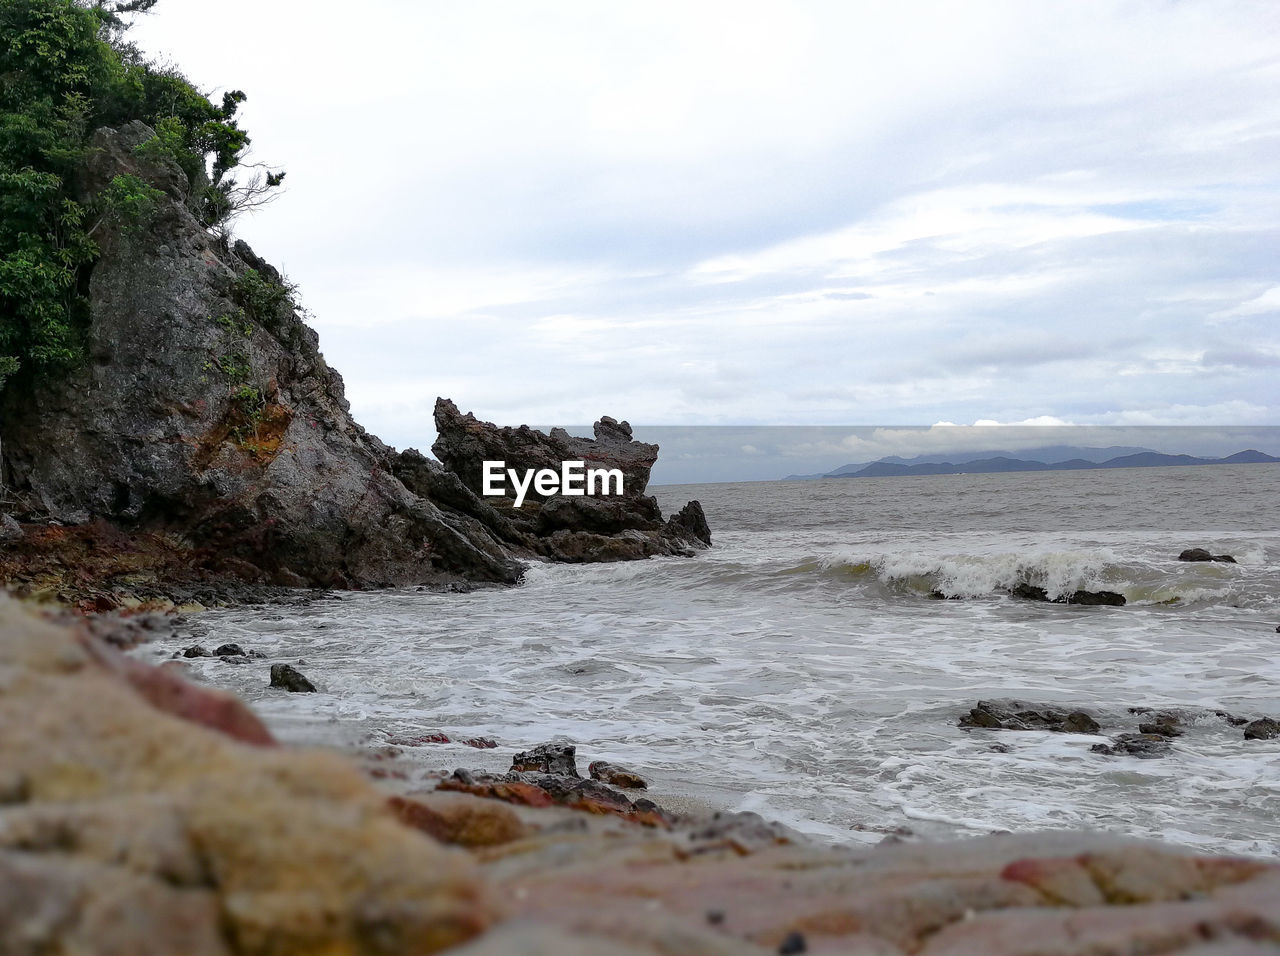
[65, 70]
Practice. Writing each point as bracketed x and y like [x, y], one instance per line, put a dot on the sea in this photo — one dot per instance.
[804, 668]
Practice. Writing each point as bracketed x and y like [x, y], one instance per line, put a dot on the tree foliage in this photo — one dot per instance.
[66, 69]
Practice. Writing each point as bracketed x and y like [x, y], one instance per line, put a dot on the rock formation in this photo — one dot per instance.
[573, 528]
[206, 409]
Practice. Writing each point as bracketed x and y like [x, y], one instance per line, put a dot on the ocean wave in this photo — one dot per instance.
[1142, 580]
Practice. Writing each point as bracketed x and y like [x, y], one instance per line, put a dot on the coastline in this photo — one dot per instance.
[299, 852]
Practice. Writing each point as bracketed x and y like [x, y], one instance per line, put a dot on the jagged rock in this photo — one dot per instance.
[229, 650]
[1200, 554]
[615, 776]
[690, 521]
[1032, 592]
[604, 516]
[1145, 746]
[1020, 715]
[569, 528]
[548, 758]
[289, 678]
[196, 650]
[464, 443]
[1262, 729]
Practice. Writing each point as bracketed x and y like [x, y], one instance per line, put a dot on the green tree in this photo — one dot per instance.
[66, 69]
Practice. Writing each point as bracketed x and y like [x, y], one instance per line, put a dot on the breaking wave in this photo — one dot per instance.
[1148, 581]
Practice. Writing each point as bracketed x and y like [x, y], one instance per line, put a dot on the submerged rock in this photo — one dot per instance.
[1020, 715]
[289, 678]
[1032, 592]
[1262, 729]
[1200, 554]
[1145, 746]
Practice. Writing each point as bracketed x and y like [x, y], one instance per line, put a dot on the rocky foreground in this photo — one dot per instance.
[142, 814]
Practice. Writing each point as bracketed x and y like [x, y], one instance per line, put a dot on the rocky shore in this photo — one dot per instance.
[142, 814]
[204, 451]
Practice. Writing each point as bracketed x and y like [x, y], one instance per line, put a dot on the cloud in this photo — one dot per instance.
[769, 213]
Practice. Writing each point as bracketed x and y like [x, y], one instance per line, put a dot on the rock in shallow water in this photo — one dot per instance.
[1145, 746]
[1020, 715]
[1032, 592]
[1262, 729]
[1200, 554]
[289, 678]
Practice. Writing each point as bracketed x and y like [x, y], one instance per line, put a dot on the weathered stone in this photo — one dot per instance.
[1020, 715]
[1146, 746]
[549, 758]
[1200, 554]
[1032, 592]
[465, 443]
[144, 832]
[289, 678]
[690, 521]
[229, 650]
[616, 776]
[569, 528]
[10, 530]
[1262, 729]
[196, 650]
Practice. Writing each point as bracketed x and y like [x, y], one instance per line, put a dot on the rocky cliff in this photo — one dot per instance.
[205, 408]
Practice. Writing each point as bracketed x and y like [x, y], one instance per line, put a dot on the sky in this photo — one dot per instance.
[788, 213]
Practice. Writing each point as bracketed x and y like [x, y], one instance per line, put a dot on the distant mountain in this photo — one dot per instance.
[1045, 453]
[888, 468]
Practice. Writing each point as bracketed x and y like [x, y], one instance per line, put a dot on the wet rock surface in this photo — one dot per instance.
[1020, 715]
[1134, 745]
[1262, 729]
[1153, 729]
[1201, 554]
[287, 677]
[1032, 592]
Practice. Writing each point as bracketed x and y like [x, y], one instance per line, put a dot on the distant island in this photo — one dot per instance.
[1046, 459]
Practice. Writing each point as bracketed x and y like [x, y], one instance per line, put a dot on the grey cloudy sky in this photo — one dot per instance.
[706, 213]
